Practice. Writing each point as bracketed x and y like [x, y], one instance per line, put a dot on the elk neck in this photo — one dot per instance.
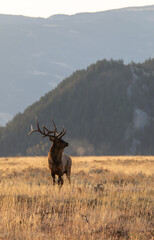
[56, 154]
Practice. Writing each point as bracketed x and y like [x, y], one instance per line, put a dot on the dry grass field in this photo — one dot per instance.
[110, 198]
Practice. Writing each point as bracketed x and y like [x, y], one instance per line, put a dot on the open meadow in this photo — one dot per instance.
[109, 198]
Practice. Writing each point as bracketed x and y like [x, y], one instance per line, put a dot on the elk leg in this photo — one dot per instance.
[60, 181]
[68, 176]
[69, 179]
[53, 176]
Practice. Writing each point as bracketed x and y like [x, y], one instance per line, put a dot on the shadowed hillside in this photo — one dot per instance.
[107, 109]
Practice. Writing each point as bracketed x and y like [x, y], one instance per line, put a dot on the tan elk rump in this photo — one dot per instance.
[59, 163]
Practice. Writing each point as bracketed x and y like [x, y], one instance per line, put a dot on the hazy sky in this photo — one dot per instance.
[46, 8]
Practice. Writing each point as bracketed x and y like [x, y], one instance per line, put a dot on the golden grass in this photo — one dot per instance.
[109, 198]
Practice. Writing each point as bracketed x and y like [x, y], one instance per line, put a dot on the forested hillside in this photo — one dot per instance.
[38, 53]
[107, 109]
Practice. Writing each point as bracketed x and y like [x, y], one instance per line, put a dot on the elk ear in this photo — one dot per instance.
[51, 139]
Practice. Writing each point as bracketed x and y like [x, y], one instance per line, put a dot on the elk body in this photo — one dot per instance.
[59, 163]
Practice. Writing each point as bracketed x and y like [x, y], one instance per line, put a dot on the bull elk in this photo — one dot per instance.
[59, 163]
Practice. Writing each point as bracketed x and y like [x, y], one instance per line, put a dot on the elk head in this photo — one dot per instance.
[54, 136]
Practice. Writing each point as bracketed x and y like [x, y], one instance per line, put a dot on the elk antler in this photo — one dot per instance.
[56, 134]
[56, 131]
[61, 134]
[47, 133]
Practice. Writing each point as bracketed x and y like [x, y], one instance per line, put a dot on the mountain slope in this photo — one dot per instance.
[107, 109]
[36, 53]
